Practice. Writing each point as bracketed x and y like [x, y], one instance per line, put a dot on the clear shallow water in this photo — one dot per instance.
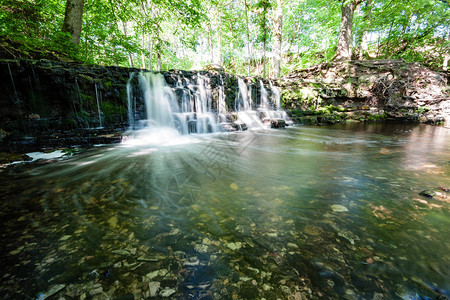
[303, 212]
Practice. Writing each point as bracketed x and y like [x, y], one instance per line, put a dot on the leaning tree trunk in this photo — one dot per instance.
[278, 29]
[248, 38]
[362, 39]
[446, 55]
[344, 48]
[73, 19]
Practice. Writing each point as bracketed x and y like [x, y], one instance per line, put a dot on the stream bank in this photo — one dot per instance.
[361, 91]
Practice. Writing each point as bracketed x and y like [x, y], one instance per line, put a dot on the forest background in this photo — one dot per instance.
[267, 38]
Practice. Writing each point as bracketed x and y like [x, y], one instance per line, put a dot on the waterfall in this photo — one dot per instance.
[243, 107]
[188, 106]
[98, 106]
[130, 102]
[186, 99]
[159, 99]
[206, 121]
[191, 113]
[243, 101]
[276, 95]
[264, 96]
[16, 96]
[222, 106]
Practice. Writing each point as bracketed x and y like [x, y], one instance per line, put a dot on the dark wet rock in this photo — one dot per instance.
[10, 157]
[167, 292]
[427, 194]
[54, 290]
[445, 189]
[277, 123]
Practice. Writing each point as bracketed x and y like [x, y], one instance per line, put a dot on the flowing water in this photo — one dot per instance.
[304, 212]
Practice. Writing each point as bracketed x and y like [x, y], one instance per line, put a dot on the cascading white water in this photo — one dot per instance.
[276, 95]
[221, 106]
[160, 101]
[98, 106]
[162, 124]
[130, 102]
[193, 111]
[243, 107]
[163, 111]
[276, 98]
[243, 101]
[206, 121]
[264, 96]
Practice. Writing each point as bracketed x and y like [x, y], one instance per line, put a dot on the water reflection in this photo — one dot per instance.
[305, 212]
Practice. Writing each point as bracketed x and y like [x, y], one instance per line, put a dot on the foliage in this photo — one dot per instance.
[178, 34]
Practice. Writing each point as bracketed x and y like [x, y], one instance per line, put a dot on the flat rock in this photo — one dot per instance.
[339, 208]
[167, 292]
[153, 287]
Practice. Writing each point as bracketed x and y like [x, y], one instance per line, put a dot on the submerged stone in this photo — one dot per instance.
[153, 288]
[201, 248]
[292, 245]
[234, 186]
[55, 289]
[66, 237]
[426, 193]
[112, 222]
[167, 292]
[157, 273]
[339, 208]
[234, 246]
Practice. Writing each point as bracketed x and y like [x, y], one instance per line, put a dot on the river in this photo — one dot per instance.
[297, 213]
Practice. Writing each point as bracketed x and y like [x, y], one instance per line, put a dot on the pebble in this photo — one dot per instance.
[292, 245]
[234, 186]
[96, 291]
[153, 287]
[121, 252]
[55, 289]
[65, 238]
[167, 292]
[339, 208]
[285, 289]
[234, 246]
[193, 261]
[200, 248]
[112, 222]
[157, 273]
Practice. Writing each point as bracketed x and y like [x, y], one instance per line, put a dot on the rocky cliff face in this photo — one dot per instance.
[367, 91]
[54, 104]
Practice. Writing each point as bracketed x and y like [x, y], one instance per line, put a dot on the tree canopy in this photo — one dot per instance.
[251, 37]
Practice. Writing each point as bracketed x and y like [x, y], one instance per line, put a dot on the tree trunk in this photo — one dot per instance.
[344, 49]
[446, 60]
[264, 59]
[130, 57]
[447, 54]
[159, 60]
[264, 21]
[150, 51]
[248, 38]
[210, 44]
[278, 30]
[362, 39]
[219, 42]
[219, 49]
[73, 19]
[142, 52]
